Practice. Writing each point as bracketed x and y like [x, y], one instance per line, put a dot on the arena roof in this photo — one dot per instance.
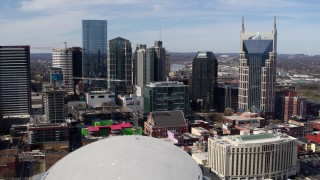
[124, 158]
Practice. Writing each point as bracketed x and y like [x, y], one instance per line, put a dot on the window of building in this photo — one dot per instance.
[101, 96]
[92, 97]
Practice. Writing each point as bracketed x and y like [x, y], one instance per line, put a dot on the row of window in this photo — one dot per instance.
[102, 96]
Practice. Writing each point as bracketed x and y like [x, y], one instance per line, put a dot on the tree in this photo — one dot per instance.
[228, 112]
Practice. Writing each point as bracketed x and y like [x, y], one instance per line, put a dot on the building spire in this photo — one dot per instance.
[275, 23]
[242, 24]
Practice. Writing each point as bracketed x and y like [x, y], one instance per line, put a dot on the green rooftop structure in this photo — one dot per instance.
[106, 122]
[84, 131]
[127, 131]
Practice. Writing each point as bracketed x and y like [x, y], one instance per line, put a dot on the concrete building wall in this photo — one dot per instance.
[275, 158]
[62, 58]
[96, 99]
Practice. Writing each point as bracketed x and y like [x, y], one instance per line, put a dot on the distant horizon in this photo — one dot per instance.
[198, 51]
[183, 26]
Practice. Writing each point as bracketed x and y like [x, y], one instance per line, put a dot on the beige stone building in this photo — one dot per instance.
[253, 156]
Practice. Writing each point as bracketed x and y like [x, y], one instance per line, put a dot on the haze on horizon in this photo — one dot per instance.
[186, 25]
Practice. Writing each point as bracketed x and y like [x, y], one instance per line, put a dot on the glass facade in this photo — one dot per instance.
[257, 52]
[204, 80]
[164, 96]
[94, 39]
[120, 65]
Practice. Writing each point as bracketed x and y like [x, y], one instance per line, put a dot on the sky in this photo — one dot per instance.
[185, 25]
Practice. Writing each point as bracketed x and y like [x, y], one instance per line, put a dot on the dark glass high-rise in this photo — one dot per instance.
[94, 39]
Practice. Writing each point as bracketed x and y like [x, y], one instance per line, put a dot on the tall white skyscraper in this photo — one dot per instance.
[62, 58]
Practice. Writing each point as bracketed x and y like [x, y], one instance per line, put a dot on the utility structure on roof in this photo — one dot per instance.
[257, 71]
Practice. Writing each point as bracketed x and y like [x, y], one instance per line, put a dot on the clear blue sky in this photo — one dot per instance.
[187, 25]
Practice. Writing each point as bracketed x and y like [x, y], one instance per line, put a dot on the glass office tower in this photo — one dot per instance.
[204, 80]
[94, 39]
[257, 71]
[119, 69]
[166, 96]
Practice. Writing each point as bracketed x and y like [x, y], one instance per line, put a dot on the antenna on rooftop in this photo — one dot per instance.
[275, 23]
[242, 24]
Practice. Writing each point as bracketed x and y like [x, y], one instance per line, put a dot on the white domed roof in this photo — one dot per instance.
[126, 158]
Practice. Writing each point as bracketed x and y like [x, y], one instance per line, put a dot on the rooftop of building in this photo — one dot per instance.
[205, 55]
[99, 92]
[201, 155]
[165, 84]
[200, 129]
[128, 157]
[189, 136]
[315, 133]
[46, 126]
[260, 138]
[23, 116]
[168, 118]
[245, 116]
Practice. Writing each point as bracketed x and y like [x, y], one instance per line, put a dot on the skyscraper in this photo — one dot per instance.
[119, 70]
[144, 66]
[68, 60]
[62, 58]
[15, 93]
[53, 95]
[161, 63]
[257, 71]
[151, 65]
[94, 40]
[76, 65]
[204, 80]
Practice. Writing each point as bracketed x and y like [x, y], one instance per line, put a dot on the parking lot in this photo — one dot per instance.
[310, 166]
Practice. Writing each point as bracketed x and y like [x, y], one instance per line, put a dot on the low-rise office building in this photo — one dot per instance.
[253, 156]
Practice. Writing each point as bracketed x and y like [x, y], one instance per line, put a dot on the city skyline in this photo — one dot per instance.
[186, 26]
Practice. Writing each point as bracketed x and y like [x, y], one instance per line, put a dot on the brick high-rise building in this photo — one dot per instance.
[294, 106]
